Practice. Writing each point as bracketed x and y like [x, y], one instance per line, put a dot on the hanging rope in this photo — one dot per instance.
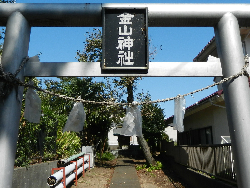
[8, 79]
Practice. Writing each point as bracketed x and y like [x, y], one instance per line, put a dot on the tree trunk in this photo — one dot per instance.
[146, 150]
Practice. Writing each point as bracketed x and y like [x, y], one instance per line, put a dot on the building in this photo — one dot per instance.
[205, 122]
[172, 133]
[116, 141]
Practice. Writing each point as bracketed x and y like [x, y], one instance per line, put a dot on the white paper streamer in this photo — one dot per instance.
[128, 125]
[76, 119]
[132, 125]
[32, 111]
[179, 112]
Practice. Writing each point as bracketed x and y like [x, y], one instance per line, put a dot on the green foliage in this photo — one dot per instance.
[153, 125]
[92, 51]
[106, 156]
[27, 146]
[126, 86]
[141, 167]
[99, 117]
[46, 140]
[158, 166]
[68, 144]
[150, 168]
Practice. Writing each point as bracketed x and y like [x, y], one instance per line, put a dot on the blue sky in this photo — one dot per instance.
[173, 45]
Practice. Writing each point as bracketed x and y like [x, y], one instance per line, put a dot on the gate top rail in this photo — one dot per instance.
[90, 14]
[206, 145]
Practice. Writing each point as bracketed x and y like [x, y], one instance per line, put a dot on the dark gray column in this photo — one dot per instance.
[237, 95]
[14, 50]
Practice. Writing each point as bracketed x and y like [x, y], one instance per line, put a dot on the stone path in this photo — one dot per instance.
[125, 175]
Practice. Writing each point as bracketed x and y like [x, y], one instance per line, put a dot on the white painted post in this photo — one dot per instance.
[15, 48]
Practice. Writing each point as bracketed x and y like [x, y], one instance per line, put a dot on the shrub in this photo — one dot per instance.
[106, 156]
[150, 168]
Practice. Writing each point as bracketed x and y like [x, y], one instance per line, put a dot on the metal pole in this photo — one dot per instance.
[15, 48]
[236, 93]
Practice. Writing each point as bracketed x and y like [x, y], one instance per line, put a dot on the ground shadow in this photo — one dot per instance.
[168, 169]
[190, 178]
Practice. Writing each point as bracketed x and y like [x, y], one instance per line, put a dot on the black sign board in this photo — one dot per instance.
[125, 39]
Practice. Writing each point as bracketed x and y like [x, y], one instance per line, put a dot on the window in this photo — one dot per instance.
[201, 136]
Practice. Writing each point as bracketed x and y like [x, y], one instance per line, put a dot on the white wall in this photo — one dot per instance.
[133, 140]
[220, 127]
[212, 116]
[113, 140]
[201, 119]
[172, 134]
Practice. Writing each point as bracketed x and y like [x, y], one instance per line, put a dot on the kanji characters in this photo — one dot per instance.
[125, 18]
[125, 43]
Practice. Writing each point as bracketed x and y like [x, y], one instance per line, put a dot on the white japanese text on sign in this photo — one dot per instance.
[125, 43]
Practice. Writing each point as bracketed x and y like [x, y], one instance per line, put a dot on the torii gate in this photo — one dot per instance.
[225, 18]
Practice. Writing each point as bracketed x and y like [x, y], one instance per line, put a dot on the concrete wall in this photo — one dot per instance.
[34, 176]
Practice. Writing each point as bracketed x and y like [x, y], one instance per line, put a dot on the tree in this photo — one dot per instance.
[98, 117]
[46, 139]
[92, 52]
[153, 125]
[127, 85]
[146, 150]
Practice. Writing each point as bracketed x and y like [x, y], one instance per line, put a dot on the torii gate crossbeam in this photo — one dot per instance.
[90, 14]
[225, 18]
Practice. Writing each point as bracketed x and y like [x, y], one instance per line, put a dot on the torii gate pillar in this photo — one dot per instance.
[15, 48]
[237, 94]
